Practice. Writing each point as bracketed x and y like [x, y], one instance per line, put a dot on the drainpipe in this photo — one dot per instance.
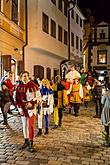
[26, 27]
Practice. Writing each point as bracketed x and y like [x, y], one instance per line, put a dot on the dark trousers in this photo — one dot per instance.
[98, 106]
[4, 115]
[60, 115]
[107, 130]
[76, 108]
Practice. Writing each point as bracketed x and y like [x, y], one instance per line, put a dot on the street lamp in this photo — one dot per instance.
[73, 2]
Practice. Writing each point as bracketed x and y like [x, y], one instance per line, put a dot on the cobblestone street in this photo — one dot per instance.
[79, 141]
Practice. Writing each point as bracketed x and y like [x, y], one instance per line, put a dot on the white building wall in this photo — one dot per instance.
[52, 50]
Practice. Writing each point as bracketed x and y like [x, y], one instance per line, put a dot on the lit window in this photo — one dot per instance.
[102, 57]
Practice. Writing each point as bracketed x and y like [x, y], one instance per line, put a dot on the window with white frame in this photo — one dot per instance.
[102, 57]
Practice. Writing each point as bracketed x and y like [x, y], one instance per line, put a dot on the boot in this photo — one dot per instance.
[31, 149]
[46, 131]
[39, 133]
[69, 110]
[105, 138]
[26, 143]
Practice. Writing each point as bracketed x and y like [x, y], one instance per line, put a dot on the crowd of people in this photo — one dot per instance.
[36, 99]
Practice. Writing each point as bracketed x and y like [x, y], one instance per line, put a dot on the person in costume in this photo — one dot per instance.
[71, 75]
[46, 106]
[76, 95]
[9, 83]
[105, 115]
[26, 98]
[86, 90]
[6, 101]
[60, 101]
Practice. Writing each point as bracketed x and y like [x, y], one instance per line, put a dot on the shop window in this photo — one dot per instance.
[102, 57]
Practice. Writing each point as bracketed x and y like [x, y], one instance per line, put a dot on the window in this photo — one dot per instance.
[39, 71]
[45, 23]
[102, 35]
[80, 22]
[53, 1]
[102, 57]
[48, 73]
[72, 14]
[77, 42]
[59, 33]
[72, 39]
[65, 37]
[65, 9]
[53, 28]
[60, 5]
[77, 18]
[15, 11]
[80, 45]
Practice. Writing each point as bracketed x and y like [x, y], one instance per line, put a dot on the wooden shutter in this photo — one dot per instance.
[20, 67]
[6, 62]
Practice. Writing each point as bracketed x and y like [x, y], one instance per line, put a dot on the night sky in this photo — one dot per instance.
[99, 8]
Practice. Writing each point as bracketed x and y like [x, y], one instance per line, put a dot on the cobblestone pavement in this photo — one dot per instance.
[78, 142]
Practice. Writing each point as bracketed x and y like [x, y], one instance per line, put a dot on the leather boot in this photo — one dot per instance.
[39, 133]
[46, 131]
[31, 149]
[26, 143]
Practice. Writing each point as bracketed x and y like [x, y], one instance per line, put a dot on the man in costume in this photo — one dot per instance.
[26, 96]
[69, 80]
[60, 101]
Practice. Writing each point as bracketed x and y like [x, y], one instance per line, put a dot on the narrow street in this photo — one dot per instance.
[78, 142]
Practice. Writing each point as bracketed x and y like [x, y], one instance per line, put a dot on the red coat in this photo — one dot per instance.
[21, 92]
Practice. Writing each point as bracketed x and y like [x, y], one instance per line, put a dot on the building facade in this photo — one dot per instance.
[13, 36]
[101, 48]
[47, 30]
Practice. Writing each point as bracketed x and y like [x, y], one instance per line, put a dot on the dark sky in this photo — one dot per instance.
[99, 8]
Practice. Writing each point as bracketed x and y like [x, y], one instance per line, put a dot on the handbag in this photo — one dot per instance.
[45, 102]
[29, 105]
